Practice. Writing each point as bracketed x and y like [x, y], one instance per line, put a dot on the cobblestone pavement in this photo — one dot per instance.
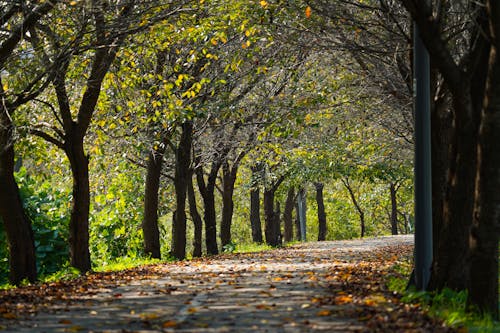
[262, 292]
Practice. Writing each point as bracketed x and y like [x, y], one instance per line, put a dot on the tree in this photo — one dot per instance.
[321, 211]
[97, 35]
[471, 203]
[16, 21]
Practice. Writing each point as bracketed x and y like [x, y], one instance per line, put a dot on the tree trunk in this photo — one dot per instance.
[355, 202]
[207, 192]
[441, 124]
[484, 236]
[79, 220]
[228, 180]
[181, 180]
[302, 213]
[298, 231]
[394, 209]
[18, 229]
[321, 212]
[150, 223]
[272, 236]
[255, 206]
[197, 221]
[287, 215]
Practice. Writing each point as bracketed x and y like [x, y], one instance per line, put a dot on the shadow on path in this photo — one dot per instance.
[272, 291]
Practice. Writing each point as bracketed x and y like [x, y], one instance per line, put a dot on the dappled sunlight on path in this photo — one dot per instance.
[296, 289]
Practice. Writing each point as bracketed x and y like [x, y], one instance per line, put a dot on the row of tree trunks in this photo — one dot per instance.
[466, 255]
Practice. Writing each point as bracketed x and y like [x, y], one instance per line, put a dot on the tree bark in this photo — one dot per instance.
[484, 236]
[321, 211]
[79, 218]
[22, 261]
[181, 181]
[255, 221]
[272, 222]
[150, 223]
[209, 215]
[228, 180]
[197, 221]
[394, 209]
[287, 215]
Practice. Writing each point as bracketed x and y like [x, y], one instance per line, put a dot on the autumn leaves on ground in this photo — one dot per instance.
[328, 286]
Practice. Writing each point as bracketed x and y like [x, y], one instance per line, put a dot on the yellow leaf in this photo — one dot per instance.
[169, 323]
[192, 310]
[308, 12]
[324, 313]
[264, 4]
[9, 315]
[343, 299]
[149, 316]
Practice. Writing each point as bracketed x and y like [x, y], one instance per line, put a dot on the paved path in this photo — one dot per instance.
[263, 292]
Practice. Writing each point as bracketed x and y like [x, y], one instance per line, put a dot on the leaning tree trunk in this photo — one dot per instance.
[20, 238]
[356, 204]
[394, 209]
[150, 223]
[181, 181]
[287, 215]
[484, 236]
[321, 212]
[79, 220]
[197, 221]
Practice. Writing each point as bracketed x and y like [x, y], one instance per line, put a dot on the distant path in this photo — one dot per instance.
[273, 291]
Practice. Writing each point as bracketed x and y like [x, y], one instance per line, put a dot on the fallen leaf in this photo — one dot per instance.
[324, 313]
[169, 323]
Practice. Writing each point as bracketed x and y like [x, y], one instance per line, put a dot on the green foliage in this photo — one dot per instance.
[451, 306]
[48, 210]
[66, 272]
[448, 305]
[122, 263]
[116, 215]
[229, 248]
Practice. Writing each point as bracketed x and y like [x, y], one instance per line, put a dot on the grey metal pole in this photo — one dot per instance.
[423, 187]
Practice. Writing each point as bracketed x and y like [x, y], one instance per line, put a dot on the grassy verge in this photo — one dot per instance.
[447, 305]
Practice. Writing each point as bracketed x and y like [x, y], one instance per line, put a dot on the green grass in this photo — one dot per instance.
[124, 263]
[252, 247]
[447, 305]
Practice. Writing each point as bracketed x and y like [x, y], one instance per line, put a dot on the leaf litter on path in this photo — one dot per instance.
[327, 286]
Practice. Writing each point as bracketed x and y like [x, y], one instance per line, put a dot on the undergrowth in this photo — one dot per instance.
[447, 305]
